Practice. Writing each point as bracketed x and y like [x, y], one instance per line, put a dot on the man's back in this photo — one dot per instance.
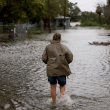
[58, 57]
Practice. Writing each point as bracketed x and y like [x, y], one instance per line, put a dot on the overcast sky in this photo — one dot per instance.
[88, 5]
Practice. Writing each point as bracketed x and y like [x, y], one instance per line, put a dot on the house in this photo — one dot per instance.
[59, 21]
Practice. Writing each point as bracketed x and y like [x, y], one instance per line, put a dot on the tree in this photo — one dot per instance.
[89, 16]
[99, 11]
[23, 10]
[62, 7]
[49, 15]
[108, 2]
[56, 8]
[106, 12]
[105, 9]
[2, 3]
[74, 11]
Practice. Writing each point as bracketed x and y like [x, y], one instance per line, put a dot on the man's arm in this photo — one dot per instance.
[44, 56]
[68, 55]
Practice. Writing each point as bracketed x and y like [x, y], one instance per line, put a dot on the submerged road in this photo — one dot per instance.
[23, 81]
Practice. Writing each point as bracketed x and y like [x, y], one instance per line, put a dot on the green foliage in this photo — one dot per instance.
[35, 10]
[31, 10]
[105, 25]
[34, 32]
[89, 19]
[106, 11]
[108, 2]
[56, 8]
[2, 4]
[38, 32]
[14, 10]
[74, 11]
[89, 16]
[89, 23]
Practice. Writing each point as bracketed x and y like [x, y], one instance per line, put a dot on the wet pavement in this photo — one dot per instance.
[23, 81]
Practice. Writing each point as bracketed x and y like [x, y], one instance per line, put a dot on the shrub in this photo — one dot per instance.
[89, 23]
[34, 32]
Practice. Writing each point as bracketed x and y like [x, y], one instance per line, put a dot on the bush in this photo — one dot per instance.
[34, 32]
[38, 31]
[90, 23]
[105, 25]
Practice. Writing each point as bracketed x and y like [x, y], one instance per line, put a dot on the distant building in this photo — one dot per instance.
[59, 21]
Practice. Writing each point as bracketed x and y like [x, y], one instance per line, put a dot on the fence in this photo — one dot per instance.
[13, 31]
[17, 30]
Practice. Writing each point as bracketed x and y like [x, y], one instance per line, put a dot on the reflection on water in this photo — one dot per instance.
[23, 81]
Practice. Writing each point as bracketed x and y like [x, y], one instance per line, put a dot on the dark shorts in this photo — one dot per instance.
[61, 80]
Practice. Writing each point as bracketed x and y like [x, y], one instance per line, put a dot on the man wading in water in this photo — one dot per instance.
[57, 57]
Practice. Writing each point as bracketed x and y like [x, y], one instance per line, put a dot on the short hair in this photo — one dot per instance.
[56, 36]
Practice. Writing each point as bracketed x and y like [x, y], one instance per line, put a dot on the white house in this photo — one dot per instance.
[59, 21]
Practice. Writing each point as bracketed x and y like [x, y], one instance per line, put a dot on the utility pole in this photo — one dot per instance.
[64, 13]
[49, 15]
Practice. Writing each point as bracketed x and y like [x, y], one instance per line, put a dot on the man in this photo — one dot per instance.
[57, 57]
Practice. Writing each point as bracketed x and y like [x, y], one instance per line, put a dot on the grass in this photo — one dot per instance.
[93, 23]
[34, 32]
[90, 23]
[105, 25]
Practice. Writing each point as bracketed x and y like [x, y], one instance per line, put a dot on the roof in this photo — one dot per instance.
[62, 17]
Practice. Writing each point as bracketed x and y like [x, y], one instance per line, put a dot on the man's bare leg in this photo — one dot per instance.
[53, 92]
[62, 89]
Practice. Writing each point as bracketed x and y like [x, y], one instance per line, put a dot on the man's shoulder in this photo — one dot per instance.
[57, 44]
[48, 45]
[64, 46]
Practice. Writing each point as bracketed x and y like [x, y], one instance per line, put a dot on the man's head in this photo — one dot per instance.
[57, 37]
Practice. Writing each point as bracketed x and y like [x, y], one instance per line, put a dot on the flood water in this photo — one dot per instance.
[23, 80]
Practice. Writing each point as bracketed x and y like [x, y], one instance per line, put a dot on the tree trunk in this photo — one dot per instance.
[49, 15]
[45, 23]
[64, 14]
[100, 19]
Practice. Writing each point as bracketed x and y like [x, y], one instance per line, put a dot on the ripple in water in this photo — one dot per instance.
[63, 100]
[23, 79]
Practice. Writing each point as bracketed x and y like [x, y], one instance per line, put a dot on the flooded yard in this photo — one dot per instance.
[23, 80]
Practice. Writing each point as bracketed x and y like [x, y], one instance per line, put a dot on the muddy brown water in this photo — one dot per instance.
[23, 81]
